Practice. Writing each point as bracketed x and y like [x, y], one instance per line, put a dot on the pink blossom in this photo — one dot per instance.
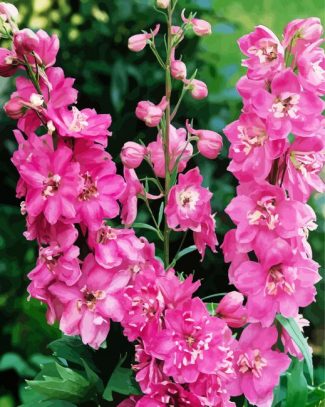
[251, 150]
[209, 142]
[25, 41]
[311, 68]
[302, 32]
[247, 87]
[231, 309]
[188, 202]
[129, 197]
[304, 163]
[150, 113]
[192, 342]
[206, 235]
[138, 42]
[180, 150]
[15, 107]
[59, 259]
[46, 50]
[85, 123]
[8, 62]
[264, 208]
[132, 154]
[288, 108]
[200, 27]
[264, 51]
[281, 282]
[91, 302]
[258, 366]
[8, 11]
[52, 184]
[198, 89]
[177, 67]
[163, 3]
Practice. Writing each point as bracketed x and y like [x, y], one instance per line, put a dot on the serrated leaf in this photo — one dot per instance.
[296, 385]
[73, 350]
[291, 326]
[182, 253]
[121, 381]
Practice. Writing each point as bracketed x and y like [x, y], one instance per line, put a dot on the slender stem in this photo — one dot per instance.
[166, 141]
[213, 296]
[32, 76]
[179, 248]
[152, 215]
[178, 103]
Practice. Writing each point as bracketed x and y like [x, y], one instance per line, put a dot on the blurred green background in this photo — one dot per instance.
[93, 37]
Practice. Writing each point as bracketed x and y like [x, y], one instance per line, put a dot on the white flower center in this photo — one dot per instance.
[79, 120]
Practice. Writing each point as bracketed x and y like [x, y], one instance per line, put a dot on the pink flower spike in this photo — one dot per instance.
[209, 143]
[138, 42]
[200, 27]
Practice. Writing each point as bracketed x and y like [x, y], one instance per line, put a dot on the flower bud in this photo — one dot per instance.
[138, 42]
[209, 142]
[308, 30]
[177, 67]
[176, 30]
[200, 27]
[8, 62]
[8, 11]
[25, 41]
[149, 113]
[162, 3]
[199, 89]
[15, 108]
[132, 154]
[231, 309]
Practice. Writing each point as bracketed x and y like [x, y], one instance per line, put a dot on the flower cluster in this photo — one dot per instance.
[276, 155]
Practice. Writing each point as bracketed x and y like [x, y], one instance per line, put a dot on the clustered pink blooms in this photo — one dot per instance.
[276, 154]
[89, 273]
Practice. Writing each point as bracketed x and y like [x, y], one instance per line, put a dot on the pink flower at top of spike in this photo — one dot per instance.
[59, 259]
[85, 123]
[311, 68]
[188, 202]
[192, 342]
[91, 302]
[132, 154]
[138, 42]
[52, 181]
[150, 113]
[251, 150]
[179, 150]
[258, 367]
[288, 108]
[302, 32]
[264, 208]
[200, 27]
[264, 51]
[304, 163]
[231, 309]
[209, 142]
[280, 283]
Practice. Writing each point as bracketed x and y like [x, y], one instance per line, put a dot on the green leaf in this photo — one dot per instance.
[121, 381]
[291, 326]
[73, 350]
[160, 214]
[14, 361]
[296, 385]
[316, 395]
[145, 226]
[182, 253]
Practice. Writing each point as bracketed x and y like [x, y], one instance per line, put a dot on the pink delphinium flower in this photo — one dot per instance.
[8, 62]
[304, 163]
[91, 302]
[129, 198]
[180, 150]
[251, 150]
[311, 68]
[24, 42]
[302, 32]
[85, 123]
[177, 67]
[288, 108]
[8, 11]
[132, 154]
[52, 181]
[258, 366]
[209, 142]
[188, 202]
[150, 113]
[138, 42]
[59, 258]
[192, 342]
[206, 235]
[281, 282]
[198, 89]
[231, 309]
[264, 51]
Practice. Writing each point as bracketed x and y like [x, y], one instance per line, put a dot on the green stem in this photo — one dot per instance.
[166, 141]
[32, 76]
[178, 103]
[152, 215]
